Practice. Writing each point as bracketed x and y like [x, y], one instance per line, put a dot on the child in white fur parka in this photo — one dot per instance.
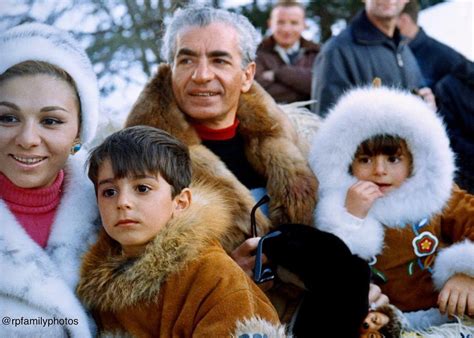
[385, 168]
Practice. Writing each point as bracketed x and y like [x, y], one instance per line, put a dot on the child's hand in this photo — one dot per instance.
[457, 296]
[360, 197]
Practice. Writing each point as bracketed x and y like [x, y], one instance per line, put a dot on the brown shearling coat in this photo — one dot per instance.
[183, 285]
[453, 225]
[271, 148]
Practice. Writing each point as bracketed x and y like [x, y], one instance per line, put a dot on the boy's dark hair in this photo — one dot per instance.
[138, 150]
[31, 67]
[382, 144]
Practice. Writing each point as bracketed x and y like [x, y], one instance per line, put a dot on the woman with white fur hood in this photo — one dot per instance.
[48, 215]
[385, 168]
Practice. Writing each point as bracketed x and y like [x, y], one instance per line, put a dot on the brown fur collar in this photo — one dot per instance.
[110, 281]
[258, 113]
[270, 148]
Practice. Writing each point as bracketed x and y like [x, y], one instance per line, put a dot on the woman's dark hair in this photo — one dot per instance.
[39, 67]
[139, 150]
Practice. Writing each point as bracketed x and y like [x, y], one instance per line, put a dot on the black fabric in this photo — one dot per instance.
[232, 153]
[435, 59]
[337, 282]
[455, 98]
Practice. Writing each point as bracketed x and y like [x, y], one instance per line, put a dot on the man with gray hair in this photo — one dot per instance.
[238, 136]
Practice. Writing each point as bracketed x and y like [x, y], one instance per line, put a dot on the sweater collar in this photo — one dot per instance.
[365, 32]
[209, 134]
[31, 201]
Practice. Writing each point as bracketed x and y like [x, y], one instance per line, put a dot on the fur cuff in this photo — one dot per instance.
[259, 328]
[363, 237]
[457, 329]
[458, 258]
[423, 319]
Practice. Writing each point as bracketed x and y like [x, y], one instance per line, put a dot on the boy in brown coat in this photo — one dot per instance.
[158, 268]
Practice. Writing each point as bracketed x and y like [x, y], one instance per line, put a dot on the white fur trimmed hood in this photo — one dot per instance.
[40, 42]
[360, 114]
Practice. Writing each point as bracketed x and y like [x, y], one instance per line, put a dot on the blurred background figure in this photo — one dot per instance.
[434, 58]
[451, 77]
[370, 47]
[455, 95]
[284, 59]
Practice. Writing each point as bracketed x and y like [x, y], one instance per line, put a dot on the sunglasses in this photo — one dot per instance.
[261, 273]
[253, 222]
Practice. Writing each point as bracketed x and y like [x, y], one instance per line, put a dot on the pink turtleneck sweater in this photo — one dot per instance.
[33, 208]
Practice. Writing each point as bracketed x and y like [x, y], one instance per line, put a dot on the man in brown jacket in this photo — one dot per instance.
[238, 137]
[285, 58]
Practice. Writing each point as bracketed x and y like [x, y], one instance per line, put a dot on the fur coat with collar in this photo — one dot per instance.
[38, 284]
[271, 148]
[183, 285]
[422, 233]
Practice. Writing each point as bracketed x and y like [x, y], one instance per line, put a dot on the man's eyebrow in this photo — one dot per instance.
[9, 104]
[220, 53]
[215, 53]
[186, 51]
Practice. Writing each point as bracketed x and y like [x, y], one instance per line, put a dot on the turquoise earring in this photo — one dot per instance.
[76, 146]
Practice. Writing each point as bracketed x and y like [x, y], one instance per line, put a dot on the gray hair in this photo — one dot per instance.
[203, 16]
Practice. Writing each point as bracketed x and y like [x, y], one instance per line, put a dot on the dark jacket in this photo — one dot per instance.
[358, 55]
[264, 127]
[455, 95]
[292, 82]
[434, 58]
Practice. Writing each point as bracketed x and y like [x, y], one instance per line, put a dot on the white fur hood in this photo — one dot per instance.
[360, 114]
[40, 42]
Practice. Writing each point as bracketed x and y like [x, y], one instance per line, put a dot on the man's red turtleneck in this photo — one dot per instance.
[208, 134]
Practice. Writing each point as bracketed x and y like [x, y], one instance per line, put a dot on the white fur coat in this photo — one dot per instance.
[38, 284]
